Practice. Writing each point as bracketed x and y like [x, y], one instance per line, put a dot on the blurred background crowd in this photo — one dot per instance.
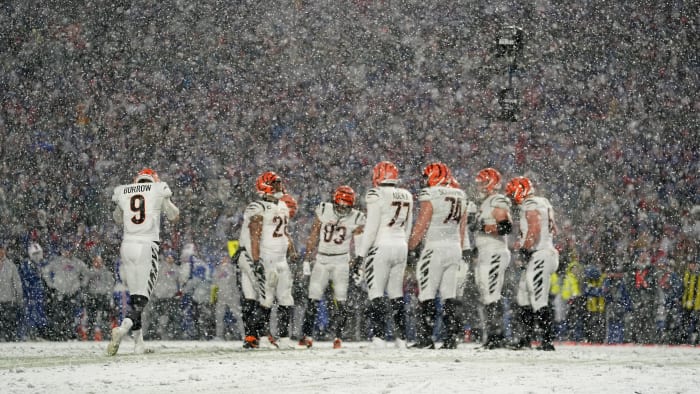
[213, 93]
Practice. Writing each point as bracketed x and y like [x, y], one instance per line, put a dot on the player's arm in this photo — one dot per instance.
[312, 241]
[503, 224]
[118, 214]
[553, 228]
[255, 227]
[533, 229]
[171, 211]
[371, 226]
[422, 224]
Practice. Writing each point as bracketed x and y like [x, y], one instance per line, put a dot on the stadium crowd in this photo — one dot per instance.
[213, 93]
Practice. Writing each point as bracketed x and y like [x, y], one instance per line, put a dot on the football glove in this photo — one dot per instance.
[357, 269]
[526, 254]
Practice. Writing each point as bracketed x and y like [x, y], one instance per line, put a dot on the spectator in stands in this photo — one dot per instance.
[164, 315]
[34, 322]
[11, 301]
[67, 278]
[98, 299]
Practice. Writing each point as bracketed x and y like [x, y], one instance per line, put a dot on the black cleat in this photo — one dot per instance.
[450, 343]
[425, 344]
[547, 347]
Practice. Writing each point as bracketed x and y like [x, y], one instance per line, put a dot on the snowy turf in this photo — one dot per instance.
[222, 367]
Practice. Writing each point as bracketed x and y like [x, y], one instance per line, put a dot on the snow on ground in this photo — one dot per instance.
[223, 367]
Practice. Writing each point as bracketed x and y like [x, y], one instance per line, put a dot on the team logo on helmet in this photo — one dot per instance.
[268, 183]
[291, 204]
[436, 174]
[147, 174]
[519, 189]
[343, 200]
[488, 180]
[385, 172]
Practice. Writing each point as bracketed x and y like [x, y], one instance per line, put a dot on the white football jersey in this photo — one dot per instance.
[449, 204]
[141, 205]
[336, 231]
[485, 216]
[275, 235]
[543, 206]
[389, 217]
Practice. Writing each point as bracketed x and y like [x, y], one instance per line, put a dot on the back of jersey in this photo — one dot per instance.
[389, 214]
[141, 205]
[449, 204]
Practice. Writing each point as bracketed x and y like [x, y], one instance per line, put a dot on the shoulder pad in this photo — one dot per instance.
[254, 208]
[500, 201]
[166, 189]
[372, 195]
[425, 194]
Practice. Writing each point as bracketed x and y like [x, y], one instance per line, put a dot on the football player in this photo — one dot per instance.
[139, 208]
[541, 259]
[263, 259]
[384, 250]
[334, 227]
[440, 228]
[493, 223]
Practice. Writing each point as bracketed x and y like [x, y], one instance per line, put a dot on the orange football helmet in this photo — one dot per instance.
[385, 172]
[343, 200]
[147, 174]
[488, 180]
[519, 189]
[291, 204]
[436, 174]
[265, 184]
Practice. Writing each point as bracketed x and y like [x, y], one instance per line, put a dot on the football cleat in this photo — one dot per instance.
[337, 343]
[518, 189]
[449, 343]
[547, 347]
[284, 343]
[437, 174]
[117, 335]
[423, 344]
[269, 342]
[306, 342]
[146, 175]
[378, 343]
[250, 342]
[385, 173]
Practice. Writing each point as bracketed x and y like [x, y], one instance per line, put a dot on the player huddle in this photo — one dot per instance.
[374, 246]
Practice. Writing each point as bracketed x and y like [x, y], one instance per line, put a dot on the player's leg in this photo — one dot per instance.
[489, 274]
[249, 302]
[542, 264]
[285, 300]
[427, 310]
[339, 272]
[394, 291]
[376, 274]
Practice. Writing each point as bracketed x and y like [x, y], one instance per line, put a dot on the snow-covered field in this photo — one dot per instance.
[223, 367]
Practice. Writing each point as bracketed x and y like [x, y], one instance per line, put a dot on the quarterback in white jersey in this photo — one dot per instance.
[332, 231]
[384, 248]
[541, 259]
[493, 224]
[138, 207]
[264, 242]
[440, 227]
